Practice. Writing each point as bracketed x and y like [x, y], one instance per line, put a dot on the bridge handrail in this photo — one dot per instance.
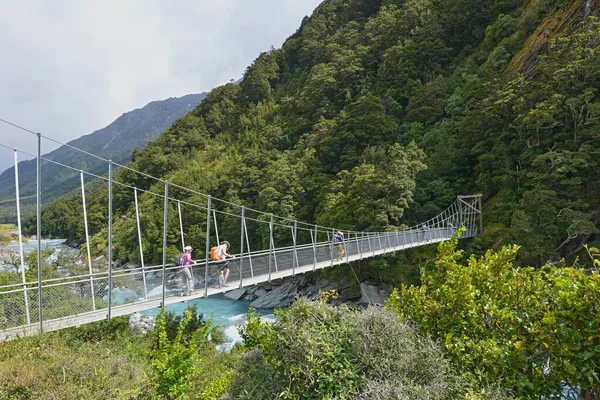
[99, 276]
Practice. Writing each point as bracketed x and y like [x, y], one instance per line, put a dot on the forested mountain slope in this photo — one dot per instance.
[377, 113]
[132, 130]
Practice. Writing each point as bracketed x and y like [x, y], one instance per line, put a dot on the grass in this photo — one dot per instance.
[98, 361]
[7, 232]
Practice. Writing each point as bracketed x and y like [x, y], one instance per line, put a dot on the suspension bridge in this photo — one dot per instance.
[285, 247]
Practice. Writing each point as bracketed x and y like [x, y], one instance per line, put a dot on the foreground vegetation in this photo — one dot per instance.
[480, 329]
[535, 331]
[370, 107]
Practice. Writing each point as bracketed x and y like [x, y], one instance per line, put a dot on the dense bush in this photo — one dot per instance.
[533, 331]
[315, 351]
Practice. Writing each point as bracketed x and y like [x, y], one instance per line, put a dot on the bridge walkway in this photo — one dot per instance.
[246, 270]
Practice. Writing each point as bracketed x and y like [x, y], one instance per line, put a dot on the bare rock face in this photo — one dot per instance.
[559, 23]
[260, 292]
[372, 295]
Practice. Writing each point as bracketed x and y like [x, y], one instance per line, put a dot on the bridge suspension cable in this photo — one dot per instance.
[278, 247]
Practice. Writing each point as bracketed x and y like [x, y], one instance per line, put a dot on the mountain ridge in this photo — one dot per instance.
[130, 131]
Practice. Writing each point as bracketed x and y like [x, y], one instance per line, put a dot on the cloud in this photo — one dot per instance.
[71, 67]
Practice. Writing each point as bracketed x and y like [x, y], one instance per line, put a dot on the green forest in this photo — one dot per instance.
[418, 101]
[374, 116]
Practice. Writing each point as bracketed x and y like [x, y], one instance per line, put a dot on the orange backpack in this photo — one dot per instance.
[214, 253]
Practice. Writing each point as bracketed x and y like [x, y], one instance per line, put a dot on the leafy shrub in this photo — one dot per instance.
[532, 331]
[97, 331]
[173, 323]
[175, 359]
[315, 351]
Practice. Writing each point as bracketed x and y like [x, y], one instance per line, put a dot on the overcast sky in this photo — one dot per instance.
[70, 67]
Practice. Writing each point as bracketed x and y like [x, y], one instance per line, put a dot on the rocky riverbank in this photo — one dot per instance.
[282, 293]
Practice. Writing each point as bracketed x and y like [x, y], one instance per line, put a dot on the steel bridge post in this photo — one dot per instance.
[249, 250]
[39, 229]
[23, 278]
[164, 258]
[110, 176]
[331, 246]
[388, 240]
[139, 230]
[270, 246]
[242, 230]
[345, 247]
[207, 252]
[181, 225]
[362, 237]
[460, 213]
[87, 240]
[480, 206]
[273, 244]
[295, 253]
[315, 248]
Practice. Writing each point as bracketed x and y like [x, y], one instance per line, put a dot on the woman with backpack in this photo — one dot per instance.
[187, 271]
[338, 244]
[222, 254]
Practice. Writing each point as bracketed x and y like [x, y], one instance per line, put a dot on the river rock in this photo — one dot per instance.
[251, 289]
[260, 292]
[281, 297]
[250, 297]
[372, 295]
[144, 323]
[235, 294]
[350, 294]
[322, 283]
[311, 290]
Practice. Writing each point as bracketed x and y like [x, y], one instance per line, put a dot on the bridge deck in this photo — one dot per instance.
[284, 263]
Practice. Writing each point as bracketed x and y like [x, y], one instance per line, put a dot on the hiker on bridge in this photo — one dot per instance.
[425, 232]
[187, 271]
[338, 244]
[222, 254]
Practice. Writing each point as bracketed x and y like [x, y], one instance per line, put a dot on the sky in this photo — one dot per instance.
[70, 67]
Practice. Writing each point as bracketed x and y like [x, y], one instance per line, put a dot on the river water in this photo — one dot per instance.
[229, 314]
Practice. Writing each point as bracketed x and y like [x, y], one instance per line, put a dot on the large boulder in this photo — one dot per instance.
[260, 292]
[323, 284]
[350, 293]
[235, 294]
[311, 290]
[144, 323]
[281, 297]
